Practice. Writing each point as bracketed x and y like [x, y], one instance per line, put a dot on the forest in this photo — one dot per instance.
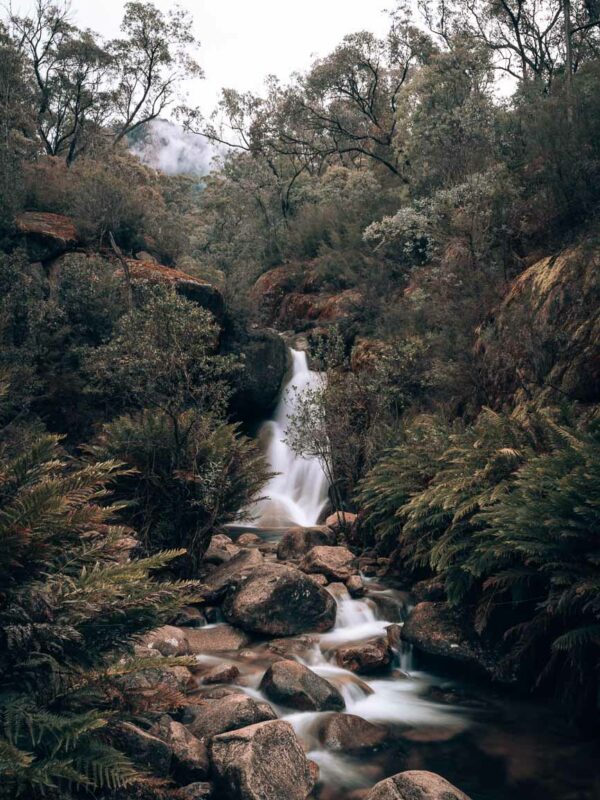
[417, 214]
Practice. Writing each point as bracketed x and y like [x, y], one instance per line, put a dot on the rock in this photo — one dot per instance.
[222, 673]
[266, 362]
[199, 292]
[292, 684]
[298, 646]
[220, 639]
[394, 636]
[333, 562]
[341, 521]
[261, 762]
[197, 791]
[365, 657]
[220, 554]
[145, 749]
[190, 755]
[350, 734]
[230, 574]
[280, 601]
[429, 589]
[338, 590]
[248, 539]
[190, 617]
[270, 289]
[355, 586]
[167, 640]
[46, 235]
[438, 630]
[211, 717]
[415, 785]
[320, 580]
[296, 542]
[299, 310]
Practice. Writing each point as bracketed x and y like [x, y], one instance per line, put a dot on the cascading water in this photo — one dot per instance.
[298, 493]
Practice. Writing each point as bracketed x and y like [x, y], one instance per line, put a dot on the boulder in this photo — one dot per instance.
[248, 539]
[230, 574]
[218, 639]
[261, 762]
[145, 749]
[222, 673]
[270, 289]
[296, 542]
[210, 717]
[341, 521]
[168, 640]
[350, 734]
[438, 630]
[190, 755]
[355, 586]
[333, 562]
[292, 684]
[189, 617]
[199, 292]
[299, 310]
[220, 549]
[266, 362]
[365, 657]
[280, 600]
[46, 235]
[415, 785]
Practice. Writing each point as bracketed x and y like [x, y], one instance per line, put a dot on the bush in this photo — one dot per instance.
[70, 609]
[191, 475]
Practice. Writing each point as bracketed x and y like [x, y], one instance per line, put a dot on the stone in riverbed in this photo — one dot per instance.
[145, 749]
[280, 601]
[350, 734]
[190, 755]
[217, 639]
[365, 657]
[230, 574]
[341, 521]
[167, 640]
[296, 542]
[292, 684]
[415, 785]
[211, 717]
[261, 762]
[248, 539]
[333, 562]
[222, 673]
[355, 586]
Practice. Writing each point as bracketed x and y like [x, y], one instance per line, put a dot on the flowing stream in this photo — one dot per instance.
[489, 744]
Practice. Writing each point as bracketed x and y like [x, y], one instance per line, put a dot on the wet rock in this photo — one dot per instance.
[220, 554]
[247, 539]
[167, 640]
[197, 791]
[338, 590]
[292, 684]
[189, 617]
[296, 542]
[46, 235]
[321, 580]
[280, 601]
[394, 636]
[261, 762]
[211, 717]
[190, 755]
[266, 361]
[222, 673]
[342, 521]
[333, 562]
[145, 749]
[298, 646]
[438, 630]
[365, 657]
[230, 574]
[355, 586]
[415, 785]
[220, 639]
[349, 733]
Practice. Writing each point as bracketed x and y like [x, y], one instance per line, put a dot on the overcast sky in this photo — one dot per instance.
[244, 40]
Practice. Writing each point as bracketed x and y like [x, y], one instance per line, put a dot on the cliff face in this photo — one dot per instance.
[544, 339]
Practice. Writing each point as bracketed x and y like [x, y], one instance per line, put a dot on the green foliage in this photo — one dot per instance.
[71, 606]
[191, 475]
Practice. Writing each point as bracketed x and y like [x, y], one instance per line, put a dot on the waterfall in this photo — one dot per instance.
[298, 493]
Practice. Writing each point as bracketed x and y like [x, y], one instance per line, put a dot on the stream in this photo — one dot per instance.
[492, 744]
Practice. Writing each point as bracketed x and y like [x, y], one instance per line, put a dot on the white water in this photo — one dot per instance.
[298, 493]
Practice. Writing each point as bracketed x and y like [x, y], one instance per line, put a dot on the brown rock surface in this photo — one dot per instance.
[296, 542]
[336, 563]
[415, 785]
[211, 717]
[365, 657]
[292, 684]
[350, 734]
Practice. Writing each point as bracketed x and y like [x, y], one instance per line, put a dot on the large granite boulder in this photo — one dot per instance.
[364, 658]
[190, 755]
[348, 733]
[211, 717]
[215, 639]
[46, 235]
[336, 563]
[280, 600]
[296, 542]
[145, 749]
[266, 362]
[261, 762]
[230, 574]
[292, 684]
[415, 785]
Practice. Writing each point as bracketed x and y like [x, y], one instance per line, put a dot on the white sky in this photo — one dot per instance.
[243, 41]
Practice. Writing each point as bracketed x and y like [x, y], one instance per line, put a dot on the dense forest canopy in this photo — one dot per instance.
[422, 208]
